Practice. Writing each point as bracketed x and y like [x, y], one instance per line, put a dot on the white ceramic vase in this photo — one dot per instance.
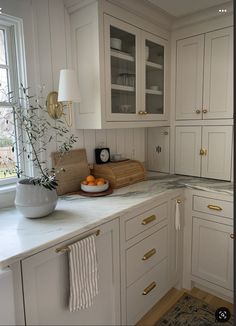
[34, 201]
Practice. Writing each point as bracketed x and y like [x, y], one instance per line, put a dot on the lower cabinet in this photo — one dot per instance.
[146, 257]
[212, 252]
[7, 305]
[210, 243]
[46, 284]
[204, 151]
[176, 241]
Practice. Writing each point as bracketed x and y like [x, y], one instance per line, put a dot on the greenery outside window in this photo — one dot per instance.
[12, 73]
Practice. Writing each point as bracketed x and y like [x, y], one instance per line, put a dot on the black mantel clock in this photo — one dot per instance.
[102, 155]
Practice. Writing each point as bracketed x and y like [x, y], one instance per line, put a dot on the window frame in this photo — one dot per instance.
[15, 46]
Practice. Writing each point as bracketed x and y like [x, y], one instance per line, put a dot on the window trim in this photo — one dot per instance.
[15, 33]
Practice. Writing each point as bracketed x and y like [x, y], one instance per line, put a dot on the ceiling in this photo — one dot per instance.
[178, 8]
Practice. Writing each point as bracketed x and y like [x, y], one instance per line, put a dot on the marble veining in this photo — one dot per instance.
[21, 237]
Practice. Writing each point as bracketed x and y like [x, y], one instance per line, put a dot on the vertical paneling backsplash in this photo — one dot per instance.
[128, 142]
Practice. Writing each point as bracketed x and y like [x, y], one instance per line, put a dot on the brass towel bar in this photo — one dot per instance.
[66, 248]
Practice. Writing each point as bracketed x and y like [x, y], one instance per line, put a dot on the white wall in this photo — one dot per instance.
[47, 51]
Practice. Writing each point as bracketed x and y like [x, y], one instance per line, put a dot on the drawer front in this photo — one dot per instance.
[213, 206]
[145, 220]
[154, 283]
[145, 255]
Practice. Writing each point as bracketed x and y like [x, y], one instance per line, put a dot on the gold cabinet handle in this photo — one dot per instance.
[178, 201]
[232, 236]
[145, 112]
[141, 112]
[215, 208]
[149, 288]
[204, 111]
[149, 254]
[203, 151]
[149, 219]
[198, 111]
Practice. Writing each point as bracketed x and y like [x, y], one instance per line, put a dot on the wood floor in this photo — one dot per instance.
[172, 297]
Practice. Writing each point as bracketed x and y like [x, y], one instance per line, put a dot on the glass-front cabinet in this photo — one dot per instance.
[154, 75]
[134, 73]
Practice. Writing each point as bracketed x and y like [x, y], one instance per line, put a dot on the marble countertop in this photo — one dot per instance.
[21, 237]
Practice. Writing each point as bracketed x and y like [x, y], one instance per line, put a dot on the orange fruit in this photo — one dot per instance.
[100, 180]
[84, 182]
[91, 183]
[99, 183]
[90, 178]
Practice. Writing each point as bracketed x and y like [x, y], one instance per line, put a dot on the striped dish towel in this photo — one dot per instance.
[83, 273]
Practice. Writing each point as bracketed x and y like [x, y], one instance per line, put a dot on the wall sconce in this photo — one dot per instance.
[68, 92]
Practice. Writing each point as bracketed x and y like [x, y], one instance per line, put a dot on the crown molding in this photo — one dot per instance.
[203, 16]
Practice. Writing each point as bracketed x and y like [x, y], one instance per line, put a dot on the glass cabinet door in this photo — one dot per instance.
[154, 76]
[121, 63]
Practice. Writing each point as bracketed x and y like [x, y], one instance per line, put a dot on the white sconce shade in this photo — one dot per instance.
[68, 86]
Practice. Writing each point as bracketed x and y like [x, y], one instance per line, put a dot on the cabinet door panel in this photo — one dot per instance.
[218, 74]
[187, 147]
[154, 77]
[217, 140]
[46, 285]
[212, 253]
[158, 147]
[122, 75]
[189, 78]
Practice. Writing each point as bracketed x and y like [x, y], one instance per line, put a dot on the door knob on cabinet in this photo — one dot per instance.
[203, 151]
[232, 236]
[145, 112]
[198, 111]
[204, 111]
[141, 112]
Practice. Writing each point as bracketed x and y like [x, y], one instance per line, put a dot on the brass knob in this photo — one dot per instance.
[140, 112]
[198, 111]
[204, 110]
[145, 112]
[203, 151]
[232, 236]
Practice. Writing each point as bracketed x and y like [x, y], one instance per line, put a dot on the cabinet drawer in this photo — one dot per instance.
[213, 206]
[146, 254]
[145, 220]
[155, 284]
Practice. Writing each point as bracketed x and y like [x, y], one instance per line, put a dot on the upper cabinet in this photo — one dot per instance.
[121, 71]
[204, 76]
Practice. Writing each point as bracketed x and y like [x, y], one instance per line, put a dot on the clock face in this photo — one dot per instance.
[104, 155]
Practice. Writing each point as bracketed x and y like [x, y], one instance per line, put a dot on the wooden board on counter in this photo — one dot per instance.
[76, 169]
[120, 174]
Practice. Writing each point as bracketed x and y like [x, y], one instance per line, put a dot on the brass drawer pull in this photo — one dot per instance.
[203, 151]
[204, 110]
[198, 111]
[149, 288]
[215, 208]
[149, 254]
[149, 219]
[232, 236]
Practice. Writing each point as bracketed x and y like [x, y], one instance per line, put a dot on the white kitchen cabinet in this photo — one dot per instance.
[204, 76]
[158, 147]
[46, 284]
[208, 243]
[144, 258]
[189, 78]
[7, 300]
[187, 147]
[176, 242]
[204, 151]
[212, 252]
[122, 71]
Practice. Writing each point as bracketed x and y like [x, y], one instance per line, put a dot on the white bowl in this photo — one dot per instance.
[116, 43]
[100, 188]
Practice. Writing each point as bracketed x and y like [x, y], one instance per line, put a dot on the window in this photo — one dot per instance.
[11, 57]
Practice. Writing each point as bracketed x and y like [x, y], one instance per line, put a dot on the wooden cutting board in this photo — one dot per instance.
[76, 169]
